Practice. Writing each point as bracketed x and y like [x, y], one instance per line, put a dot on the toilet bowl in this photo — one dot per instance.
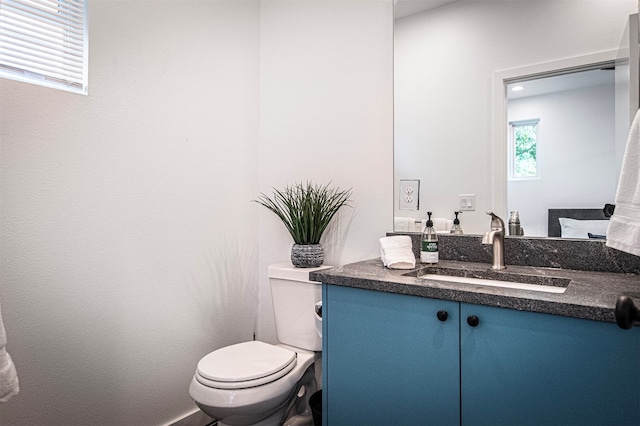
[257, 383]
[251, 395]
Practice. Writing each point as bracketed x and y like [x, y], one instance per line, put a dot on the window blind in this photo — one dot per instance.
[44, 42]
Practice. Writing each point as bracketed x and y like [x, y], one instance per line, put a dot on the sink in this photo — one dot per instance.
[495, 283]
[491, 278]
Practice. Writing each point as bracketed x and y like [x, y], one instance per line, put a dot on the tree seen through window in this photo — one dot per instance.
[525, 150]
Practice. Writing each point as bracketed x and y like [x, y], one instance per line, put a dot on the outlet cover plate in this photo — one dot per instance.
[409, 196]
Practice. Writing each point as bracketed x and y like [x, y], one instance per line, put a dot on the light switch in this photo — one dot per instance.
[467, 202]
[409, 196]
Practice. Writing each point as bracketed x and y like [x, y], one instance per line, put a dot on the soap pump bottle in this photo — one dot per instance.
[429, 245]
[456, 229]
[514, 224]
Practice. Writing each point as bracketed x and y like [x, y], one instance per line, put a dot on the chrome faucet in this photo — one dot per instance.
[495, 237]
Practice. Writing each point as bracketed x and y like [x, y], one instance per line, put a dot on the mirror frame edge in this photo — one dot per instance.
[634, 58]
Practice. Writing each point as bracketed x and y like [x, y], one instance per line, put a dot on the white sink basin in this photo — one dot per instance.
[495, 283]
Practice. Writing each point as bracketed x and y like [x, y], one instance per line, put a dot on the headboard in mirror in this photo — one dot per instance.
[577, 223]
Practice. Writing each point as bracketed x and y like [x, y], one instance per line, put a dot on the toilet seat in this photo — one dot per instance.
[245, 365]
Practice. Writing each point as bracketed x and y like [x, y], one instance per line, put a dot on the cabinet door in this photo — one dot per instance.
[530, 368]
[388, 359]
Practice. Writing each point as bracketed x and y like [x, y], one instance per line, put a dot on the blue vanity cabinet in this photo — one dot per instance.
[531, 368]
[388, 359]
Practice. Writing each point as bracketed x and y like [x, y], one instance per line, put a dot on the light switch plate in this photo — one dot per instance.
[467, 202]
[409, 196]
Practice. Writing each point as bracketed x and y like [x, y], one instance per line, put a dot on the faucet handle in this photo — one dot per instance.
[496, 222]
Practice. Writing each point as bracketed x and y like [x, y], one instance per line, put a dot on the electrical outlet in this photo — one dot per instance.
[409, 196]
[467, 202]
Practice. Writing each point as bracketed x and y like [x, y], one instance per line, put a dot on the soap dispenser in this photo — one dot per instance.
[514, 224]
[429, 244]
[456, 229]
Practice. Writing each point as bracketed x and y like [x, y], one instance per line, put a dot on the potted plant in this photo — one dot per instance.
[306, 210]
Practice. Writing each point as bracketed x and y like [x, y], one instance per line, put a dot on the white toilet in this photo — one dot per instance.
[256, 383]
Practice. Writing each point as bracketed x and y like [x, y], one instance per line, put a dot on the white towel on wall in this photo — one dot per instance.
[8, 376]
[396, 252]
[624, 227]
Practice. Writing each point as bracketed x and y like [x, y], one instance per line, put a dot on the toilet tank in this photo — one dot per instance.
[294, 298]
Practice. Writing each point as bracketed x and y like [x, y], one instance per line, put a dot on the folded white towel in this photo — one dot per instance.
[396, 252]
[624, 227]
[8, 376]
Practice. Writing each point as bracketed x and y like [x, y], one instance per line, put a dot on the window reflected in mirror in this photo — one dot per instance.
[523, 149]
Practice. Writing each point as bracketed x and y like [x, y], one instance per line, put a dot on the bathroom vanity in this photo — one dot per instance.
[400, 349]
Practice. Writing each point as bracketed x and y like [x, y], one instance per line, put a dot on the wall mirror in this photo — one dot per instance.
[455, 115]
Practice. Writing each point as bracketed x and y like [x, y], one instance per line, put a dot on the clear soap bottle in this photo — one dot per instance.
[429, 244]
[456, 229]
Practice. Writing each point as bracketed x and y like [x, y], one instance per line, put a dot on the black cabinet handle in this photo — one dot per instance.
[473, 320]
[442, 315]
[626, 312]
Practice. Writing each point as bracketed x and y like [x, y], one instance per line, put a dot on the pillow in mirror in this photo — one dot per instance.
[574, 228]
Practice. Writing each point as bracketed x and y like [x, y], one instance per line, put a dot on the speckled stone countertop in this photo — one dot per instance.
[590, 295]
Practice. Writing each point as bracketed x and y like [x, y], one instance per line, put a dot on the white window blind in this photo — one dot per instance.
[44, 42]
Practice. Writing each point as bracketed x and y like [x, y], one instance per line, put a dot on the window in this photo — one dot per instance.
[523, 149]
[44, 42]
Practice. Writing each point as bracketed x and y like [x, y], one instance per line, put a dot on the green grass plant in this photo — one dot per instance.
[306, 209]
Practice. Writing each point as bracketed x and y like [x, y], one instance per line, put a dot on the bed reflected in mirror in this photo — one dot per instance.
[578, 223]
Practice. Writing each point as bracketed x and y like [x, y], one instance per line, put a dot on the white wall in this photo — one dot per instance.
[326, 115]
[445, 60]
[126, 253]
[576, 153]
[130, 247]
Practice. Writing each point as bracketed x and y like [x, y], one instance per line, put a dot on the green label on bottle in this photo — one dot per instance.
[430, 246]
[429, 252]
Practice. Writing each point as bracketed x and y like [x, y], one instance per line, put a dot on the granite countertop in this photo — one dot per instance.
[589, 295]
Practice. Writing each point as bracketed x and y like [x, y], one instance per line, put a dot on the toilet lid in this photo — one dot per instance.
[245, 364]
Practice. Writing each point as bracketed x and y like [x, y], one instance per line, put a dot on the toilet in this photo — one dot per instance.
[257, 383]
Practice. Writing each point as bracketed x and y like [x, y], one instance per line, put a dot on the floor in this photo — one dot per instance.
[196, 419]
